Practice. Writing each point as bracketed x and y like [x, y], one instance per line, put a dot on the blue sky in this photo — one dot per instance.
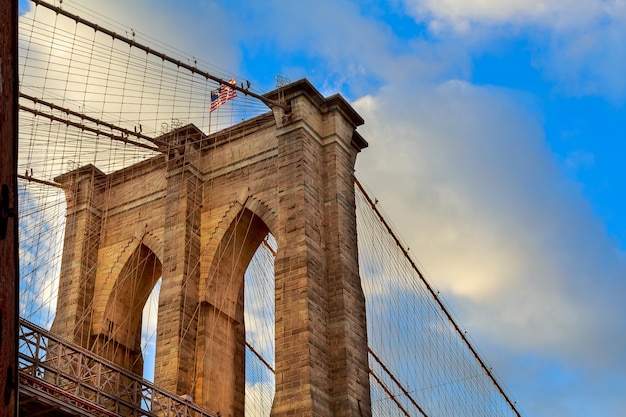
[497, 134]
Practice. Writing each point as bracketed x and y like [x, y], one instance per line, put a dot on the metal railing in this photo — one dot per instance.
[58, 371]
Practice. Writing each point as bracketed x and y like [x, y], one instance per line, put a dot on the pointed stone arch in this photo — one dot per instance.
[117, 336]
[221, 366]
[114, 259]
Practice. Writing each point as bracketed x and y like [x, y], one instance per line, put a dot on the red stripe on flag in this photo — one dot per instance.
[225, 93]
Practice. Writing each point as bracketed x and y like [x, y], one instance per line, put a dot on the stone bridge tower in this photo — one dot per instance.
[194, 217]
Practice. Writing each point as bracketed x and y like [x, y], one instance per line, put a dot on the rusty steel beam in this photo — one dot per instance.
[30, 178]
[9, 267]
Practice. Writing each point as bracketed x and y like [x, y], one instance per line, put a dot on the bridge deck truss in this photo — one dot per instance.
[76, 380]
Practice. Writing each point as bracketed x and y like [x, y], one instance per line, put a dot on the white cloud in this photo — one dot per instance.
[579, 159]
[259, 398]
[462, 14]
[197, 26]
[576, 44]
[590, 59]
[466, 173]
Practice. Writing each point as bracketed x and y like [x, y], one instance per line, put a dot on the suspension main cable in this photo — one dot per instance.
[83, 116]
[432, 292]
[267, 101]
[261, 358]
[89, 129]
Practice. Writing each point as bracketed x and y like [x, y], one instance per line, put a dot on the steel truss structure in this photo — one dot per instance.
[74, 380]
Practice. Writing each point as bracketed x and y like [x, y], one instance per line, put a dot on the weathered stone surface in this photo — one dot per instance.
[195, 216]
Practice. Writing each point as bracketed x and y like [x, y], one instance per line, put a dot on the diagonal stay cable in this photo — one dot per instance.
[389, 393]
[395, 380]
[120, 138]
[436, 298]
[125, 132]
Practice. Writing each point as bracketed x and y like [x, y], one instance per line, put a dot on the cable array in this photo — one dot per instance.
[90, 99]
[419, 358]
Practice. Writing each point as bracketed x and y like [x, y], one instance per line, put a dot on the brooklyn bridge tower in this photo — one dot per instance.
[242, 218]
[194, 216]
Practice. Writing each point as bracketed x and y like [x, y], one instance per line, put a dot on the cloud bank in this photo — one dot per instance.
[465, 174]
[577, 44]
[463, 170]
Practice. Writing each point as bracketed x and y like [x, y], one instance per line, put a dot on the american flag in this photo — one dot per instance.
[221, 95]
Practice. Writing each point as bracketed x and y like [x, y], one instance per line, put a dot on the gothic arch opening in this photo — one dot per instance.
[119, 339]
[259, 312]
[149, 320]
[221, 372]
